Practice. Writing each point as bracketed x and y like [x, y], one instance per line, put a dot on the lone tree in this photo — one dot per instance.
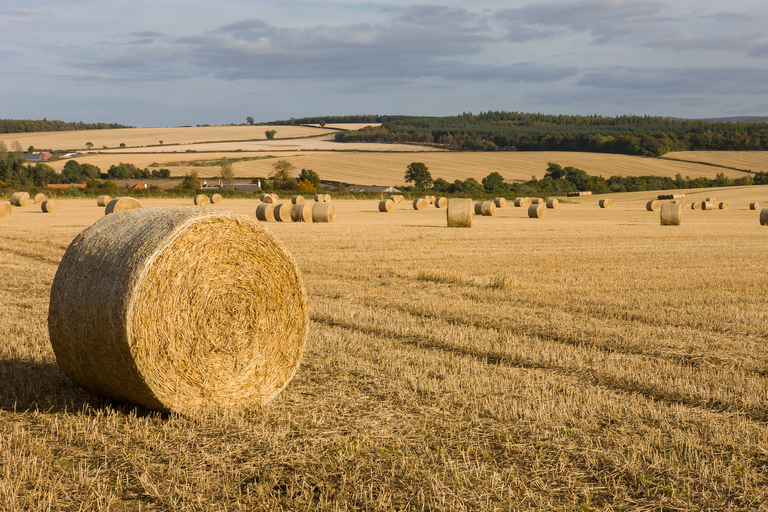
[89, 145]
[419, 174]
[249, 120]
[191, 181]
[227, 170]
[282, 170]
[270, 134]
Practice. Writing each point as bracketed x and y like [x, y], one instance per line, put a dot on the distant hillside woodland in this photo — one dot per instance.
[44, 125]
[493, 131]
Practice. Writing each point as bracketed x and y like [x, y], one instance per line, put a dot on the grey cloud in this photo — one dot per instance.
[728, 16]
[147, 34]
[760, 50]
[686, 41]
[148, 40]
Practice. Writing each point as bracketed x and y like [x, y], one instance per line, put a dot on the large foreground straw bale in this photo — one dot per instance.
[522, 202]
[553, 203]
[120, 204]
[49, 206]
[764, 217]
[5, 210]
[282, 212]
[537, 211]
[201, 199]
[323, 212]
[605, 203]
[419, 204]
[297, 199]
[301, 212]
[215, 198]
[459, 213]
[695, 205]
[126, 319]
[754, 206]
[103, 200]
[441, 202]
[265, 212]
[40, 198]
[671, 214]
[387, 205]
[500, 202]
[653, 206]
[707, 205]
[487, 209]
[723, 205]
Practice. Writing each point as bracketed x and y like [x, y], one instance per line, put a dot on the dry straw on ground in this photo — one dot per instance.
[553, 203]
[301, 212]
[5, 210]
[671, 214]
[500, 202]
[20, 199]
[653, 206]
[754, 206]
[49, 206]
[441, 202]
[103, 200]
[605, 203]
[282, 212]
[323, 212]
[39, 198]
[536, 211]
[201, 200]
[158, 346]
[215, 198]
[723, 205]
[297, 199]
[419, 204]
[265, 212]
[764, 217]
[386, 205]
[487, 209]
[459, 213]
[120, 204]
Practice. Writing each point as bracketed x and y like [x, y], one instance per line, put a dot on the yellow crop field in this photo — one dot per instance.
[589, 360]
[749, 160]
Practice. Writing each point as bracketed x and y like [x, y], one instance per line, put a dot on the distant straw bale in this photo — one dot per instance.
[215, 198]
[419, 204]
[271, 199]
[676, 195]
[5, 210]
[488, 209]
[297, 199]
[327, 198]
[723, 205]
[680, 201]
[323, 212]
[671, 214]
[707, 205]
[397, 198]
[537, 211]
[653, 206]
[537, 200]
[387, 205]
[156, 345]
[764, 217]
[103, 200]
[479, 208]
[319, 198]
[301, 212]
[39, 198]
[553, 203]
[120, 204]
[580, 194]
[605, 203]
[500, 202]
[712, 200]
[429, 199]
[522, 202]
[754, 206]
[49, 206]
[265, 212]
[20, 199]
[263, 196]
[282, 212]
[459, 213]
[441, 202]
[201, 199]
[695, 205]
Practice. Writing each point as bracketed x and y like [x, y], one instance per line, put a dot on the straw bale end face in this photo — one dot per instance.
[215, 198]
[297, 199]
[695, 205]
[323, 212]
[301, 212]
[500, 202]
[487, 209]
[420, 204]
[386, 205]
[49, 206]
[553, 203]
[103, 200]
[265, 212]
[201, 200]
[754, 206]
[671, 214]
[39, 198]
[537, 211]
[459, 213]
[441, 202]
[125, 320]
[282, 212]
[605, 203]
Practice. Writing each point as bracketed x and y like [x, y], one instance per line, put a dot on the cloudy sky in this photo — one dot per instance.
[179, 62]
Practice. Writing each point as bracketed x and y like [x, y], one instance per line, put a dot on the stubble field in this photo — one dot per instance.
[590, 360]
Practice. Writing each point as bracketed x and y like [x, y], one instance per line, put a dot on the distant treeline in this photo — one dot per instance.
[44, 125]
[630, 135]
[365, 118]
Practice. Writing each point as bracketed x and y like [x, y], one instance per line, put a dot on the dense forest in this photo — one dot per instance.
[44, 125]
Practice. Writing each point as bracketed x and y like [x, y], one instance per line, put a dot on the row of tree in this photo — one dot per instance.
[44, 125]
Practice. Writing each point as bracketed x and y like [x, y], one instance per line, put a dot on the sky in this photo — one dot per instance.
[153, 63]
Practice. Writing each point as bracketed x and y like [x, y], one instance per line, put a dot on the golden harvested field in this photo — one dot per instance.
[590, 360]
[749, 160]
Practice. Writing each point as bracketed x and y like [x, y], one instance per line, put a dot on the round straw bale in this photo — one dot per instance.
[301, 212]
[327, 198]
[297, 199]
[712, 200]
[13, 199]
[488, 209]
[522, 202]
[323, 212]
[696, 205]
[671, 214]
[20, 199]
[270, 199]
[265, 212]
[49, 206]
[537, 200]
[39, 198]
[553, 203]
[459, 213]
[605, 203]
[500, 202]
[754, 206]
[201, 199]
[5, 210]
[428, 199]
[397, 198]
[763, 217]
[537, 211]
[707, 205]
[387, 205]
[441, 202]
[282, 212]
[319, 198]
[120, 204]
[215, 198]
[275, 197]
[419, 204]
[478, 208]
[103, 200]
[263, 195]
[155, 344]
[723, 205]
